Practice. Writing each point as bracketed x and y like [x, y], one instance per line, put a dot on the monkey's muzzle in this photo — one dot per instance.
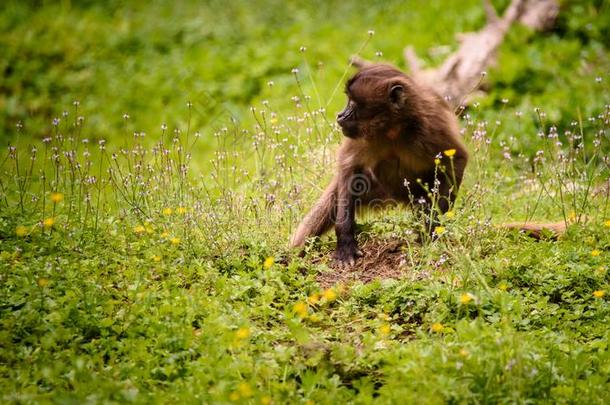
[349, 127]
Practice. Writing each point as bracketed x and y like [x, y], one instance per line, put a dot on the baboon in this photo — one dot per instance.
[402, 143]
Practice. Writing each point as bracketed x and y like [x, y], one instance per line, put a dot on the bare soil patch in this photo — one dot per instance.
[383, 259]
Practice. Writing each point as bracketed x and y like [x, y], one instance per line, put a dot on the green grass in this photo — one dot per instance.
[154, 269]
[148, 59]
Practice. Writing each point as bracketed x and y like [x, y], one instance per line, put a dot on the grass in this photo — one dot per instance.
[132, 272]
[148, 59]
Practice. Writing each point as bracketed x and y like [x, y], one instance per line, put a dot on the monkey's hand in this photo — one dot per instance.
[346, 254]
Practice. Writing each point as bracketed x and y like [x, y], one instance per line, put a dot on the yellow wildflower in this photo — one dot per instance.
[503, 286]
[175, 241]
[595, 253]
[314, 318]
[329, 295]
[245, 390]
[57, 197]
[268, 262]
[437, 327]
[385, 329]
[437, 161]
[234, 396]
[139, 229]
[439, 230]
[449, 152]
[266, 400]
[181, 210]
[607, 223]
[273, 121]
[464, 353]
[43, 282]
[164, 234]
[300, 309]
[313, 298]
[449, 214]
[465, 298]
[156, 258]
[243, 333]
[167, 211]
[599, 294]
[48, 222]
[21, 231]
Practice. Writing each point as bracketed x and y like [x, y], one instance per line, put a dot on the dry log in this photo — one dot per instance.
[540, 15]
[463, 71]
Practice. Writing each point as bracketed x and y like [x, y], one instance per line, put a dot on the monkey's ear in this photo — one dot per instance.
[397, 92]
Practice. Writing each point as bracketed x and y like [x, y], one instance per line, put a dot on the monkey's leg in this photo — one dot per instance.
[319, 219]
[450, 183]
[350, 186]
[447, 185]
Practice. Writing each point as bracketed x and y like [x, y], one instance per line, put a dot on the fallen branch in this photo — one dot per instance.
[540, 15]
[463, 70]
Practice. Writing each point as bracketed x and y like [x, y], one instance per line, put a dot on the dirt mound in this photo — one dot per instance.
[382, 259]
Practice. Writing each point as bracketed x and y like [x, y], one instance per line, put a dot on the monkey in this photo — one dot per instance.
[402, 143]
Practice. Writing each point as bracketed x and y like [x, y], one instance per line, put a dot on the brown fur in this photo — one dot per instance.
[318, 220]
[395, 128]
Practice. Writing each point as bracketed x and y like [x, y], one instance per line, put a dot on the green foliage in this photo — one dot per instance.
[146, 59]
[130, 274]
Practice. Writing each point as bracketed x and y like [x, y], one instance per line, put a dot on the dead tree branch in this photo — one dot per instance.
[462, 71]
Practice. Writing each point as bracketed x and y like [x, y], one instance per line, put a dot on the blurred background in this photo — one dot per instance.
[142, 270]
[148, 59]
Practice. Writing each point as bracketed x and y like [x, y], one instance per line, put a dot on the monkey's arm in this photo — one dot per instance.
[347, 247]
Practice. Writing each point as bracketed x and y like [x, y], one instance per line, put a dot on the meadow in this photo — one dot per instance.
[158, 155]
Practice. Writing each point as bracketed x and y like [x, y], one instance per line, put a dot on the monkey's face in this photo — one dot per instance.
[348, 119]
[373, 105]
